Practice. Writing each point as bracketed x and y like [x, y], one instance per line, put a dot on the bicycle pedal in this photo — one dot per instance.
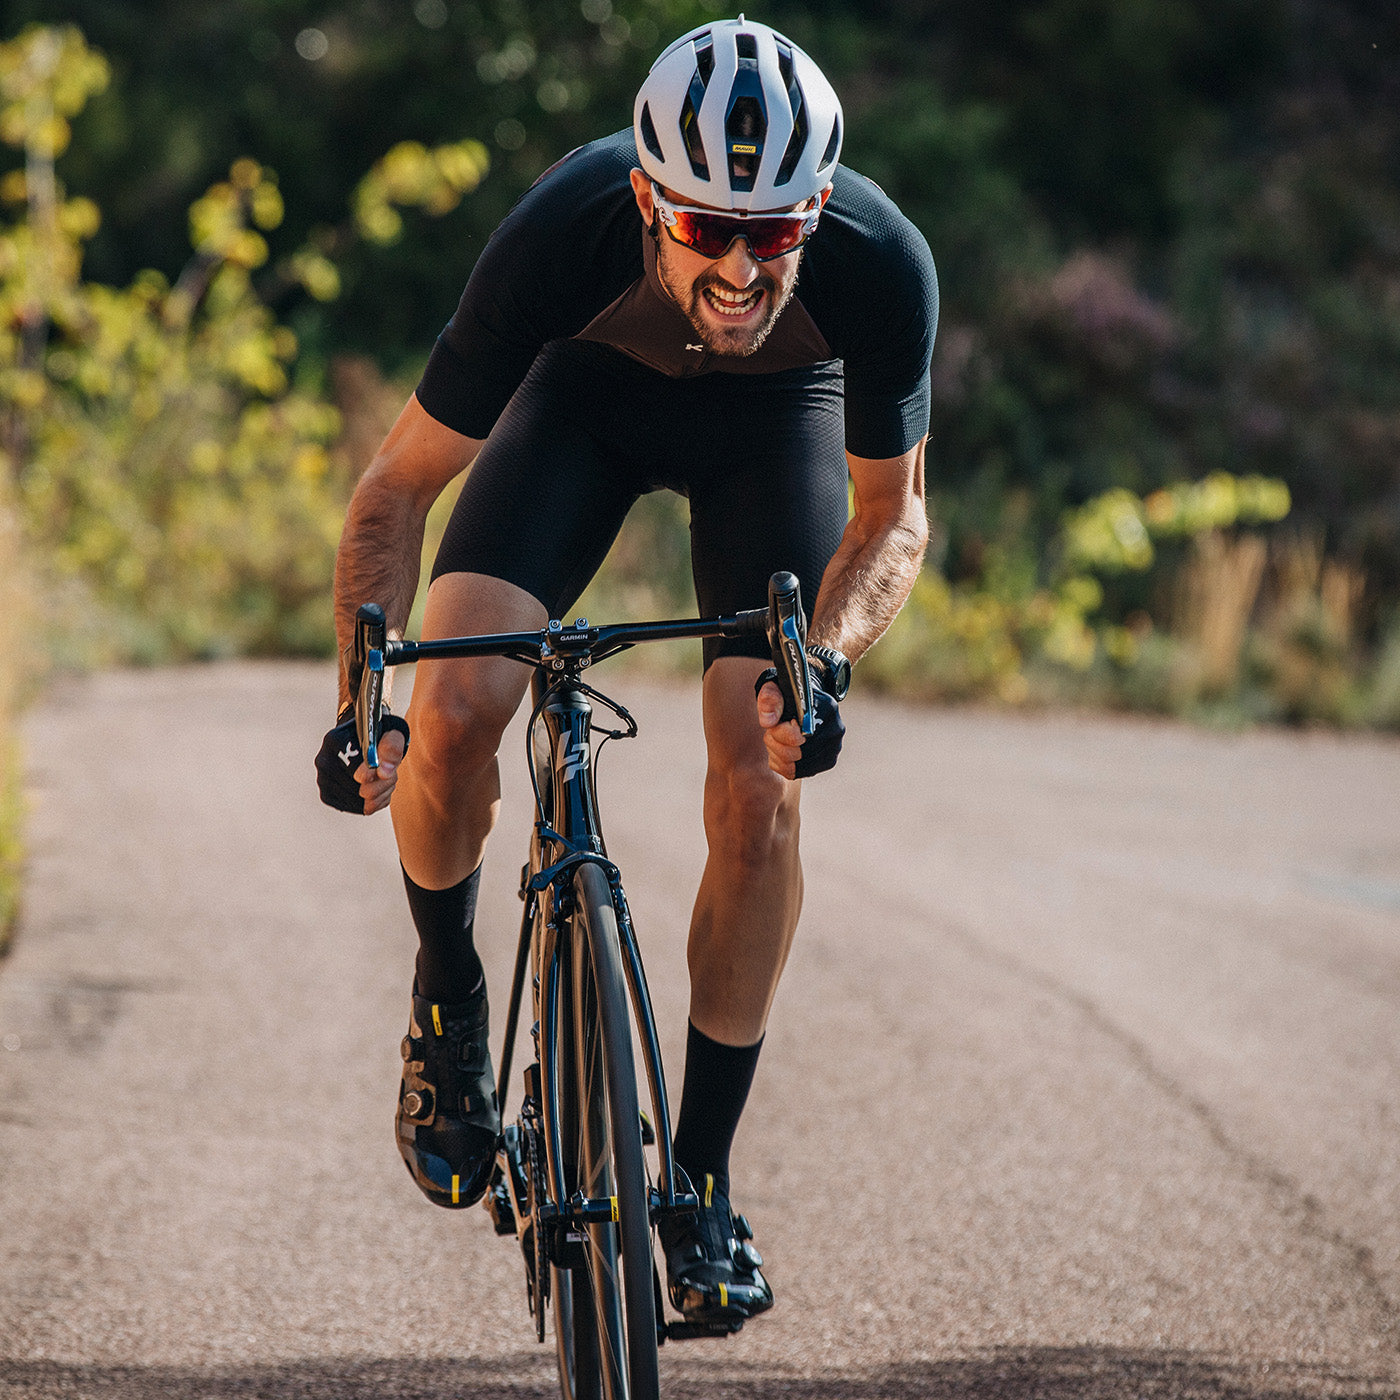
[685, 1203]
[564, 1247]
[692, 1331]
[499, 1208]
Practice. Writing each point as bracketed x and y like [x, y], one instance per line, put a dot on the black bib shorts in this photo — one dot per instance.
[761, 459]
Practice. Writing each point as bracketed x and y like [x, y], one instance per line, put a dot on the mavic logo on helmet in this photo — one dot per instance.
[575, 761]
[739, 150]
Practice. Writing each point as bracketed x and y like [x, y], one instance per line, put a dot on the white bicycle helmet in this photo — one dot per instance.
[737, 116]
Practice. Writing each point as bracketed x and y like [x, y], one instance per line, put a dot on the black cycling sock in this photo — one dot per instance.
[716, 1088]
[448, 968]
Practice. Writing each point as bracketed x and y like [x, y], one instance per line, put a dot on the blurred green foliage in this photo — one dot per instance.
[176, 487]
[1113, 532]
[1166, 233]
[162, 470]
[1022, 630]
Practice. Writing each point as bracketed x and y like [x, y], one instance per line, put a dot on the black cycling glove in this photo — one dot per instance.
[820, 749]
[340, 757]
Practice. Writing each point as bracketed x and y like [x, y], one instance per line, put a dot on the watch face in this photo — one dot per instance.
[838, 670]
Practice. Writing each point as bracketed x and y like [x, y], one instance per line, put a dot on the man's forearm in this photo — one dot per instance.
[867, 582]
[381, 549]
[378, 560]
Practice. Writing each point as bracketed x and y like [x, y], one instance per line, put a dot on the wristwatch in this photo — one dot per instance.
[834, 668]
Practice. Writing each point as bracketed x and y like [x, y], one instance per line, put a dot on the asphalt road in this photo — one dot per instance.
[1084, 1080]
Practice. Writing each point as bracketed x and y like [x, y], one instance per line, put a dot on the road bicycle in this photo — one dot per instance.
[573, 1181]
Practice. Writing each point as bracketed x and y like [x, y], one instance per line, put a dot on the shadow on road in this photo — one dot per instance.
[1076, 1373]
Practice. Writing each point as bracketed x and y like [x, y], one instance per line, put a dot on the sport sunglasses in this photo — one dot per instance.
[710, 233]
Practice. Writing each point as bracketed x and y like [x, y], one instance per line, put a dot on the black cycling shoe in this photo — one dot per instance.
[712, 1268]
[448, 1118]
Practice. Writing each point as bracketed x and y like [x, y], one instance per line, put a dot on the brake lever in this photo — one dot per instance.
[787, 639]
[370, 633]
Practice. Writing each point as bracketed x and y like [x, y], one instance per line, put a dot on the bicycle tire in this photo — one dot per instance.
[604, 1308]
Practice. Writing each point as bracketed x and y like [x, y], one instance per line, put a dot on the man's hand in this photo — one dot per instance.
[781, 737]
[791, 754]
[346, 781]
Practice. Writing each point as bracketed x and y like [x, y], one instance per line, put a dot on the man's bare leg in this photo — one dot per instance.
[449, 788]
[444, 807]
[751, 892]
[741, 931]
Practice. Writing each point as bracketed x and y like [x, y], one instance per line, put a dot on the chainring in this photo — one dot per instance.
[537, 1259]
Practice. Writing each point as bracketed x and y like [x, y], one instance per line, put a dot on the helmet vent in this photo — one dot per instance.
[649, 136]
[797, 142]
[746, 45]
[785, 68]
[833, 145]
[795, 146]
[705, 60]
[690, 131]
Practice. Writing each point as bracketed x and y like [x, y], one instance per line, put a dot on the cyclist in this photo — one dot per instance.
[708, 303]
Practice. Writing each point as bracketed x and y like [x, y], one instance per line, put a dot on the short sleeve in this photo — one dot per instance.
[874, 294]
[888, 390]
[566, 249]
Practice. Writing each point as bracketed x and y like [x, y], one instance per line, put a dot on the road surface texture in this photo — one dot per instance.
[1084, 1080]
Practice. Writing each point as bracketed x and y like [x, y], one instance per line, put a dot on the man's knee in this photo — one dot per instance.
[457, 729]
[460, 708]
[751, 812]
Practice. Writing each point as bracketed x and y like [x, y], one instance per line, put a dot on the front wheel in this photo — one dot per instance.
[604, 1304]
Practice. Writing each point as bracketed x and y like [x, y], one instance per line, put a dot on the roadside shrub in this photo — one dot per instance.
[180, 490]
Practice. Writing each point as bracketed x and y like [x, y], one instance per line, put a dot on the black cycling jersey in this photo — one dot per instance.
[589, 387]
[573, 260]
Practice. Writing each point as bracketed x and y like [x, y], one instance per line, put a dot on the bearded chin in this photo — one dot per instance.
[739, 344]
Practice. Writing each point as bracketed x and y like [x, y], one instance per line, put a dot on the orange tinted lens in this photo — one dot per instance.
[771, 238]
[708, 234]
[711, 234]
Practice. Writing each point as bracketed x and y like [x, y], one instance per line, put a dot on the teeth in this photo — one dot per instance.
[733, 303]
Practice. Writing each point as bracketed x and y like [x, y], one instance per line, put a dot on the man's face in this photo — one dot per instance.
[731, 302]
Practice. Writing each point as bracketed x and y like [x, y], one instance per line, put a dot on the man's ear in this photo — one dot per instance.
[641, 191]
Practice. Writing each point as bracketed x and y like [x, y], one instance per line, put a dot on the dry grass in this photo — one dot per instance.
[1304, 579]
[1308, 632]
[1286, 609]
[1218, 590]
